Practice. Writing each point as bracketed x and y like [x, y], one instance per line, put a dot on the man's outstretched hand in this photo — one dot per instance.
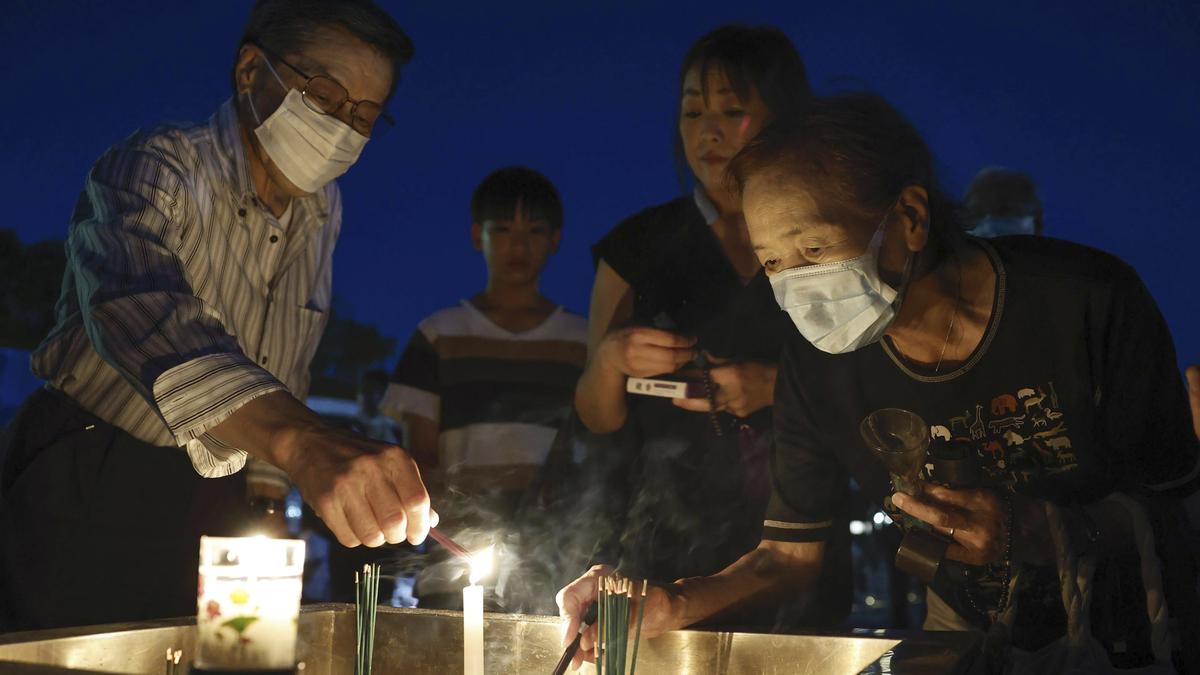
[367, 492]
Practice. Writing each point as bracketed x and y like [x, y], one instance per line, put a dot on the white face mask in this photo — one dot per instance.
[842, 306]
[309, 147]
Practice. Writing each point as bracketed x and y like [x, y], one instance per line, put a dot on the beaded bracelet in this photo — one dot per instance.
[1006, 561]
[711, 390]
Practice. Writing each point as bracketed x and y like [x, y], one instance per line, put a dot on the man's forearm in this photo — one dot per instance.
[268, 427]
[752, 580]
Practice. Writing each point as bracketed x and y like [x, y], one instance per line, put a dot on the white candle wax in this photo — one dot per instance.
[481, 566]
[473, 630]
[248, 603]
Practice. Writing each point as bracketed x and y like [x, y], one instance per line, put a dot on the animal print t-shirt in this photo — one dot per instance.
[1073, 393]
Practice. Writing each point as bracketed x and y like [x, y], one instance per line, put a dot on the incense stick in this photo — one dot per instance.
[366, 600]
[448, 543]
[637, 639]
[601, 619]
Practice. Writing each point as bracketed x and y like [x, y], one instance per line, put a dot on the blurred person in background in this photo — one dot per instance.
[371, 420]
[1000, 202]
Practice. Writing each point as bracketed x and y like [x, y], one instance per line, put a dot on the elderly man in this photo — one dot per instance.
[196, 291]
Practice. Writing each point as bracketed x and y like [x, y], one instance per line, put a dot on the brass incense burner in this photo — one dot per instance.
[414, 641]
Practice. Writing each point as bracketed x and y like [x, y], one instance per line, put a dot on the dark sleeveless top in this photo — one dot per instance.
[693, 501]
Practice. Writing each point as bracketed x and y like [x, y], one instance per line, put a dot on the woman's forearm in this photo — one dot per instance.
[766, 572]
[600, 398]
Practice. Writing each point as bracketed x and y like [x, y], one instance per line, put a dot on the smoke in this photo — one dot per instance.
[664, 498]
[541, 541]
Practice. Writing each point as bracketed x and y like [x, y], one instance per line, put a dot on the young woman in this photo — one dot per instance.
[678, 290]
[1049, 359]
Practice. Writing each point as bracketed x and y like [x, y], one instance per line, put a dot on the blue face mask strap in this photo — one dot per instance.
[274, 72]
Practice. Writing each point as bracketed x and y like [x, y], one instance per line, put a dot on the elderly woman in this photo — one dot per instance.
[1050, 359]
[677, 280]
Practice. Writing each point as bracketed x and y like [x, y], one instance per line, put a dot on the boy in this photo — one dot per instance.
[484, 385]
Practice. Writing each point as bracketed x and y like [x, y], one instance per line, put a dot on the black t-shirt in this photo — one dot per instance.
[695, 500]
[1072, 394]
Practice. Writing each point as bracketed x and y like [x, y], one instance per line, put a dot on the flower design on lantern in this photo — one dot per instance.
[239, 624]
[212, 609]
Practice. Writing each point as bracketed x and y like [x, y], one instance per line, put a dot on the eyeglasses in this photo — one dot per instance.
[325, 95]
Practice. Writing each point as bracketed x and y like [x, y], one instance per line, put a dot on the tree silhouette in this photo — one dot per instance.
[347, 350]
[30, 279]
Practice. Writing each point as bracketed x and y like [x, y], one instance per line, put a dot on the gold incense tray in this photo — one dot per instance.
[415, 641]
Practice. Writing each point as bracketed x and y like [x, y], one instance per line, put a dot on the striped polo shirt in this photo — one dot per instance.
[497, 397]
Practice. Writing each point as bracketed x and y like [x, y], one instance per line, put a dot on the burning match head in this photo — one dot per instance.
[481, 564]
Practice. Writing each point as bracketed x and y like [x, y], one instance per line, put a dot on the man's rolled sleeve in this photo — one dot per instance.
[195, 396]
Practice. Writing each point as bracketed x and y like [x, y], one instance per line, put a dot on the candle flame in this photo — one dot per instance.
[481, 564]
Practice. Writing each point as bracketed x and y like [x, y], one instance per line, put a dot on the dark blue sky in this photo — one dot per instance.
[1098, 100]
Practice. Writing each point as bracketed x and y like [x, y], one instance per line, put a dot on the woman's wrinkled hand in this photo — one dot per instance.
[742, 389]
[976, 521]
[576, 597]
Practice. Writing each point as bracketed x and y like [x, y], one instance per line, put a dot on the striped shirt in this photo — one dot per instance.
[184, 298]
[497, 397]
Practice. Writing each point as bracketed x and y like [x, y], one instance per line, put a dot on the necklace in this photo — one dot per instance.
[953, 316]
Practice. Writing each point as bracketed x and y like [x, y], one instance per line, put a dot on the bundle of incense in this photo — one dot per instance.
[448, 543]
[366, 600]
[614, 599]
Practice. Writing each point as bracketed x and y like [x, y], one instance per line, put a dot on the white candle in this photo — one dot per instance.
[481, 566]
[473, 630]
[248, 603]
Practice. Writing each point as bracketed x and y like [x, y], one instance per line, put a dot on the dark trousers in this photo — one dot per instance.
[97, 526]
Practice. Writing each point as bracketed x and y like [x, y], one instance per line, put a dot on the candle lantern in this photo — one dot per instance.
[248, 604]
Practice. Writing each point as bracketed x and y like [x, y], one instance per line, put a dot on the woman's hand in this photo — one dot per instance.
[977, 521]
[576, 597]
[741, 389]
[645, 352]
